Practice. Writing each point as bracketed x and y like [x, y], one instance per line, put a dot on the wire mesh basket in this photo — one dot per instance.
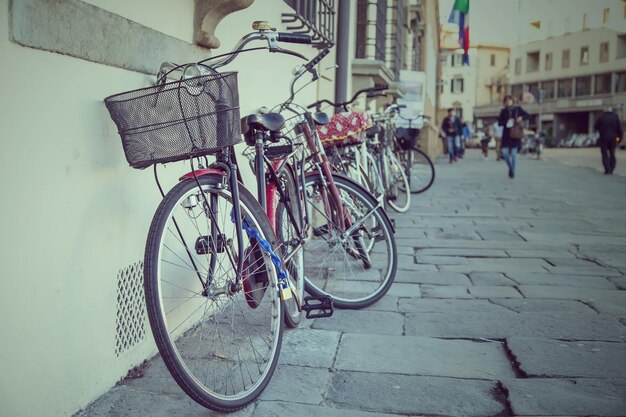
[178, 120]
[407, 137]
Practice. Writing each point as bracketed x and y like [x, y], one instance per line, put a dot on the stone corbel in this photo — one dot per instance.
[208, 14]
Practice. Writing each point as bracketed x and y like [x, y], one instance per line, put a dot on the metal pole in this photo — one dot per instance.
[342, 59]
[539, 122]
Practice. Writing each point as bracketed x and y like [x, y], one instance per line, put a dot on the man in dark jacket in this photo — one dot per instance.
[509, 116]
[610, 130]
[451, 127]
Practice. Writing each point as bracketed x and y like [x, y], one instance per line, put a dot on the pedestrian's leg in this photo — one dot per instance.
[613, 161]
[513, 160]
[498, 149]
[457, 147]
[505, 156]
[604, 150]
[450, 143]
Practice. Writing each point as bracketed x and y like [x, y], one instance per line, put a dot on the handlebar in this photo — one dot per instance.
[294, 38]
[264, 32]
[345, 104]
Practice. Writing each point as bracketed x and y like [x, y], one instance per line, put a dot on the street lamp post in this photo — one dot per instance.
[539, 122]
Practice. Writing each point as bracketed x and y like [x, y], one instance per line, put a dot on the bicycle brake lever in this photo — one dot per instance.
[288, 52]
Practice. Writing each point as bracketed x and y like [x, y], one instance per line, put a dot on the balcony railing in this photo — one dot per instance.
[313, 17]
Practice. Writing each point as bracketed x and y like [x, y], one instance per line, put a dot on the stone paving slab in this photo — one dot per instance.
[538, 305]
[299, 384]
[123, 401]
[429, 305]
[363, 321]
[404, 394]
[306, 347]
[614, 308]
[436, 278]
[585, 281]
[499, 265]
[422, 356]
[491, 278]
[619, 282]
[473, 253]
[558, 397]
[447, 291]
[283, 409]
[555, 358]
[493, 291]
[535, 253]
[553, 325]
[571, 293]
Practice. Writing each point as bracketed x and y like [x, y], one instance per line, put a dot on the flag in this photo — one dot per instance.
[460, 16]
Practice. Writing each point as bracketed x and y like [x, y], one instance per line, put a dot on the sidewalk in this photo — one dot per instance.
[510, 300]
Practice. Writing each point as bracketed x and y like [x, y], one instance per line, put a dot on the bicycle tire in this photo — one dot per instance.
[285, 234]
[166, 283]
[330, 269]
[398, 184]
[419, 166]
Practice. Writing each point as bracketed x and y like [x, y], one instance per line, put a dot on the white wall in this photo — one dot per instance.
[74, 213]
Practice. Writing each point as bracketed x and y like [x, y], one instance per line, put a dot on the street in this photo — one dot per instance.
[510, 300]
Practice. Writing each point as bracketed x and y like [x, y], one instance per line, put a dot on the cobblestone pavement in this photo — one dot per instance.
[586, 157]
[510, 300]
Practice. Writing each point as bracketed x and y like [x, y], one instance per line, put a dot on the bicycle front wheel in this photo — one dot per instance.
[219, 340]
[288, 220]
[355, 270]
[420, 169]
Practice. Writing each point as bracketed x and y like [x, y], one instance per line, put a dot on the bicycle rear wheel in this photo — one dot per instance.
[355, 270]
[219, 342]
[420, 170]
[398, 197]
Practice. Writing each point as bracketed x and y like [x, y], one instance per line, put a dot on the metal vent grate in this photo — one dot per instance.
[130, 322]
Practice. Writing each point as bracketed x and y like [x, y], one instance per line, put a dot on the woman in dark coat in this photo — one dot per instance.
[509, 116]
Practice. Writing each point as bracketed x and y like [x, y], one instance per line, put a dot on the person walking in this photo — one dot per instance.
[497, 135]
[511, 119]
[610, 130]
[484, 143]
[465, 136]
[451, 127]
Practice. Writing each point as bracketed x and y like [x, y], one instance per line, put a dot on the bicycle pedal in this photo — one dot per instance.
[377, 232]
[318, 307]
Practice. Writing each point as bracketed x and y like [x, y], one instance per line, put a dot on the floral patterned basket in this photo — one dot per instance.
[345, 129]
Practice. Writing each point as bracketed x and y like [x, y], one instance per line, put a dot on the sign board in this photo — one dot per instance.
[413, 84]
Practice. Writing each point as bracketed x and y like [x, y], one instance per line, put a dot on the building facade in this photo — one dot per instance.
[571, 71]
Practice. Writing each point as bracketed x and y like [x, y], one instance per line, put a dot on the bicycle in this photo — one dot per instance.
[214, 279]
[370, 162]
[418, 166]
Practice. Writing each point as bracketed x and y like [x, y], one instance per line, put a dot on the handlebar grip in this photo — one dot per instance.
[294, 38]
[402, 106]
[317, 59]
[380, 87]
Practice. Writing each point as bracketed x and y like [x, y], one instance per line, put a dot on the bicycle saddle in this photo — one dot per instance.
[321, 118]
[268, 122]
[373, 131]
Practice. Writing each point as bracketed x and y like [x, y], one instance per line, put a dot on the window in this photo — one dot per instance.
[516, 91]
[621, 46]
[583, 86]
[548, 90]
[493, 60]
[459, 110]
[532, 61]
[584, 55]
[603, 84]
[456, 86]
[604, 52]
[620, 82]
[564, 88]
[605, 15]
[533, 88]
[549, 61]
[518, 66]
[565, 59]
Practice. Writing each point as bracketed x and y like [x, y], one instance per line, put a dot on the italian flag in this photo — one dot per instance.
[460, 16]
